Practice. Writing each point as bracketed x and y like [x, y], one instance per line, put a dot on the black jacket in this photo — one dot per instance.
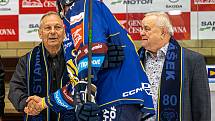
[2, 89]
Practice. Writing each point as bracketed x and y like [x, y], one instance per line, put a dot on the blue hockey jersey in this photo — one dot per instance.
[127, 84]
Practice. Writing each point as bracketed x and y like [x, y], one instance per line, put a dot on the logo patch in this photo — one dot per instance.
[96, 62]
[77, 35]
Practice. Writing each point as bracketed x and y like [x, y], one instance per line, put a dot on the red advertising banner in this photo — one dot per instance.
[36, 6]
[9, 28]
[132, 23]
[181, 25]
[202, 5]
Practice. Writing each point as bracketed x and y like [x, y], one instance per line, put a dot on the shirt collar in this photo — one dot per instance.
[56, 56]
[161, 51]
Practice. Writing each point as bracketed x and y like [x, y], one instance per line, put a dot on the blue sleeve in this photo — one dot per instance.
[61, 99]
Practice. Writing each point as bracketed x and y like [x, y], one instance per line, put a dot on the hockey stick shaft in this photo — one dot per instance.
[89, 77]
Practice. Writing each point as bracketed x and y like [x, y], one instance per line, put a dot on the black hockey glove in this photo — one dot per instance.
[80, 90]
[114, 57]
[85, 111]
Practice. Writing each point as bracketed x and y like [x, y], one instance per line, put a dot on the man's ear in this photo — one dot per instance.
[164, 31]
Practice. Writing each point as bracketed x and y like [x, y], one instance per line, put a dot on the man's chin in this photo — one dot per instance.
[146, 47]
[144, 44]
[52, 42]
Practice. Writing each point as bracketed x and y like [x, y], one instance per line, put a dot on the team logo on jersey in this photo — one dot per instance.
[67, 95]
[96, 62]
[97, 48]
[77, 35]
[60, 101]
[144, 87]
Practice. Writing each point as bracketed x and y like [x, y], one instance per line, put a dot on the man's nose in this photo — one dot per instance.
[53, 29]
[142, 32]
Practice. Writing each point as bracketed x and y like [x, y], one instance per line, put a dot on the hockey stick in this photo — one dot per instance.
[90, 22]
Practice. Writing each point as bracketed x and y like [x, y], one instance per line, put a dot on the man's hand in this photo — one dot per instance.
[114, 57]
[32, 108]
[87, 111]
[34, 105]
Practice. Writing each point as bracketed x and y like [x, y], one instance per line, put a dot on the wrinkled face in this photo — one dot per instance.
[151, 34]
[52, 31]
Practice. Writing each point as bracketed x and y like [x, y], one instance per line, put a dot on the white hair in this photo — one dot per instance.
[48, 14]
[162, 20]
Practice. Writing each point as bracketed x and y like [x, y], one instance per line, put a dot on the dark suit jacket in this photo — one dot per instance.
[196, 100]
[2, 89]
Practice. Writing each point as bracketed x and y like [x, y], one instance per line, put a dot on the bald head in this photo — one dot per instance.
[51, 13]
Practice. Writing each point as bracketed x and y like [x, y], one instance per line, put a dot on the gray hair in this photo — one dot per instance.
[48, 14]
[162, 20]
